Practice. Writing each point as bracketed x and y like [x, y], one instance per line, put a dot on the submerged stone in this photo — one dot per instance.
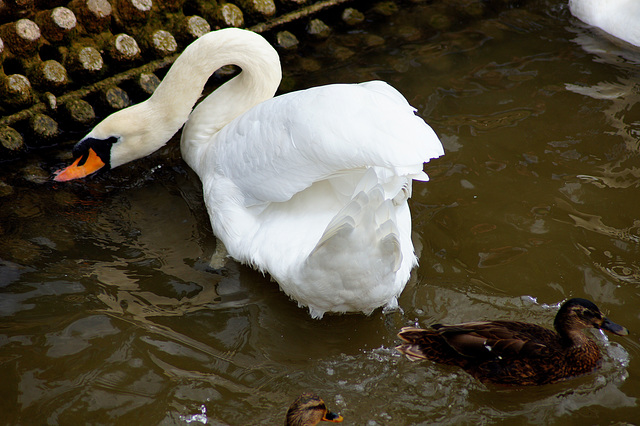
[385, 8]
[52, 75]
[163, 43]
[90, 59]
[29, 206]
[125, 48]
[22, 37]
[196, 26]
[352, 16]
[148, 82]
[10, 139]
[43, 128]
[116, 98]
[259, 9]
[79, 111]
[231, 15]
[318, 29]
[5, 189]
[56, 24]
[94, 15]
[287, 40]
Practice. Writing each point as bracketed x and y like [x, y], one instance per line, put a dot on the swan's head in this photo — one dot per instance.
[139, 130]
[118, 139]
[309, 410]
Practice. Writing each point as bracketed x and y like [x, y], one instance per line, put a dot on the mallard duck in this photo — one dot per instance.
[309, 410]
[515, 353]
[310, 187]
[620, 18]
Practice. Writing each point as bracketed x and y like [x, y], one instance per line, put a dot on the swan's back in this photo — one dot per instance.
[312, 134]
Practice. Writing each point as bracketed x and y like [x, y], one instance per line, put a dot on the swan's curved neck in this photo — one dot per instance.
[183, 84]
[152, 123]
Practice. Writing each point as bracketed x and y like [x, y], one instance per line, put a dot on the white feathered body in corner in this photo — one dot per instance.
[620, 18]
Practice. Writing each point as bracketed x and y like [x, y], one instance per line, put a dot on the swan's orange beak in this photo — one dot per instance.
[92, 164]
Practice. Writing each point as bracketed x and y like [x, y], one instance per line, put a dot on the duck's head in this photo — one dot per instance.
[577, 314]
[309, 410]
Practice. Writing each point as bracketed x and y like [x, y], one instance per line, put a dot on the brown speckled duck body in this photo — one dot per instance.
[515, 353]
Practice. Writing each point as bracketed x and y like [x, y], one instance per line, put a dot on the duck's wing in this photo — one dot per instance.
[496, 339]
[283, 145]
[420, 344]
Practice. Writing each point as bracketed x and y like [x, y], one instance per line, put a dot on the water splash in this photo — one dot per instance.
[202, 417]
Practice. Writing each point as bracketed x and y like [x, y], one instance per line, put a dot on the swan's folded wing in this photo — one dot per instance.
[285, 144]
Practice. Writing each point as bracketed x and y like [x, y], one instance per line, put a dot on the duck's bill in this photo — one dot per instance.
[91, 164]
[614, 328]
[332, 417]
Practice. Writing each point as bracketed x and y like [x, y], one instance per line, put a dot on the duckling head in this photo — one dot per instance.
[309, 410]
[577, 314]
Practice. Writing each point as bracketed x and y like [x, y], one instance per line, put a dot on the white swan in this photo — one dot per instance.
[310, 186]
[620, 18]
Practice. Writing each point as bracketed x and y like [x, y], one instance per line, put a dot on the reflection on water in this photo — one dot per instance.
[110, 312]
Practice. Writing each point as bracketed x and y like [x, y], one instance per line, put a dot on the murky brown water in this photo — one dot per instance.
[109, 314]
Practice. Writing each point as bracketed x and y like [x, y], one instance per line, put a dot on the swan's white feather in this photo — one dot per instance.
[308, 172]
[620, 18]
[283, 145]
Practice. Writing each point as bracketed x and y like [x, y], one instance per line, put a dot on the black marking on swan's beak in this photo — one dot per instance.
[91, 155]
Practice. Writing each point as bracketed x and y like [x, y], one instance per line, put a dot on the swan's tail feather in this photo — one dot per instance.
[365, 226]
[363, 250]
[421, 176]
[340, 228]
[384, 212]
[368, 181]
[390, 244]
[388, 234]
